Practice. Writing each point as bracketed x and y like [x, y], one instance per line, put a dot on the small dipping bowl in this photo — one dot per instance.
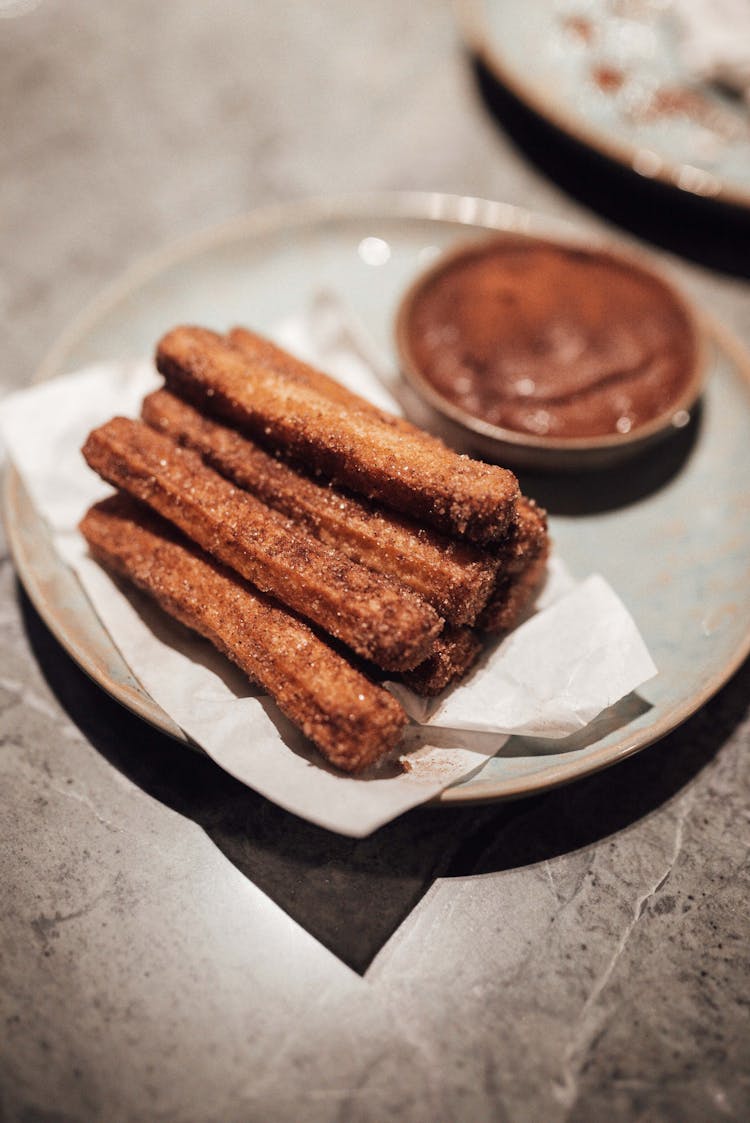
[548, 354]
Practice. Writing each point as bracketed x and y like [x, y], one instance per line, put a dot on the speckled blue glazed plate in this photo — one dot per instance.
[610, 74]
[672, 534]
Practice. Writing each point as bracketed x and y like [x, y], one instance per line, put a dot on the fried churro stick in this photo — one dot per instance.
[257, 349]
[454, 577]
[379, 619]
[513, 596]
[522, 569]
[456, 650]
[353, 722]
[521, 572]
[527, 539]
[368, 453]
[527, 536]
[455, 653]
[523, 563]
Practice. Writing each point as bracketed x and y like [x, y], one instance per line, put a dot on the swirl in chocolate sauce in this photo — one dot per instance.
[551, 340]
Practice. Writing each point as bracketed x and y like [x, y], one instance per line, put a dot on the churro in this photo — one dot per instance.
[369, 453]
[513, 596]
[379, 619]
[522, 567]
[523, 564]
[527, 539]
[353, 722]
[455, 652]
[257, 349]
[456, 578]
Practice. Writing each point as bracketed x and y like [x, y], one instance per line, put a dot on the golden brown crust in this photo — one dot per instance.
[353, 722]
[513, 596]
[257, 349]
[527, 538]
[456, 652]
[377, 618]
[455, 577]
[523, 564]
[368, 453]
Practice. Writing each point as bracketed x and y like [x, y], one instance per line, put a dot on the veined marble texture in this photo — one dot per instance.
[171, 946]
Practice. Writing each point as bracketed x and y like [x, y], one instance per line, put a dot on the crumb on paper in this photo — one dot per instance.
[432, 765]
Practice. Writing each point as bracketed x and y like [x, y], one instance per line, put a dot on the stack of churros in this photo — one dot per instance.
[320, 543]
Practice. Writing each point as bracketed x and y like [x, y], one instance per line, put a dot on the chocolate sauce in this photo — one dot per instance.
[551, 340]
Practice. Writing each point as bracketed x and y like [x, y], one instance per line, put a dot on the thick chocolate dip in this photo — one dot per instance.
[551, 340]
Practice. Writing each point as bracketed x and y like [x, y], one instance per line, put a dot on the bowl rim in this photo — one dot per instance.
[504, 437]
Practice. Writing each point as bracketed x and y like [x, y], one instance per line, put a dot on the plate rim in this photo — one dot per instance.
[419, 206]
[477, 36]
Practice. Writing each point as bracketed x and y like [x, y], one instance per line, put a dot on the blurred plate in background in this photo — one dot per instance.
[609, 74]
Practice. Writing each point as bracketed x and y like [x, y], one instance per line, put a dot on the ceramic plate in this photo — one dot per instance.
[609, 73]
[672, 536]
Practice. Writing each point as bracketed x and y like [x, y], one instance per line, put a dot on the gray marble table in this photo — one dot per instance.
[173, 947]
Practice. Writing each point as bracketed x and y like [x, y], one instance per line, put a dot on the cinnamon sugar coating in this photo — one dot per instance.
[522, 568]
[455, 653]
[526, 541]
[370, 453]
[429, 536]
[257, 349]
[513, 596]
[379, 619]
[456, 578]
[353, 722]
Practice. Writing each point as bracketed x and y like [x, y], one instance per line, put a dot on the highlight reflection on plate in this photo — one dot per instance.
[672, 535]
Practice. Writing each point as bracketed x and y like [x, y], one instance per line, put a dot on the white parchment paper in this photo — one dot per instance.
[579, 653]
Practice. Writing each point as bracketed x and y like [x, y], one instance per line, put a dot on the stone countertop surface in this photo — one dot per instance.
[172, 946]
